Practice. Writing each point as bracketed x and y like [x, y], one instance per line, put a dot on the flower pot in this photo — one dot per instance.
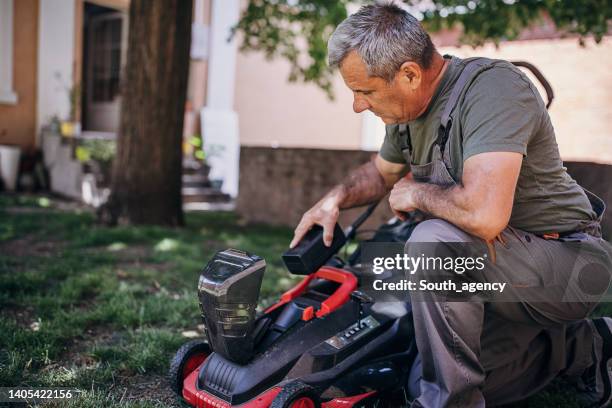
[216, 184]
[9, 165]
[70, 129]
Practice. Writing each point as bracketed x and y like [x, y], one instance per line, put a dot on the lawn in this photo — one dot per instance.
[103, 309]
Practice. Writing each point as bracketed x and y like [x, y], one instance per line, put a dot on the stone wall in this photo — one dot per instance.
[278, 185]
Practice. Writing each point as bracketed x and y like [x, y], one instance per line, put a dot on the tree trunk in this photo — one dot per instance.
[146, 185]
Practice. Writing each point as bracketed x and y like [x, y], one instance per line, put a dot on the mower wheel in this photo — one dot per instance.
[187, 358]
[296, 394]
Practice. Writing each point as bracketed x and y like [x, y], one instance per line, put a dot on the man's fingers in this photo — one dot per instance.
[299, 233]
[297, 237]
[328, 234]
[326, 219]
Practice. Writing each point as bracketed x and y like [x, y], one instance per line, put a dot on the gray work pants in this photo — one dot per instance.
[500, 352]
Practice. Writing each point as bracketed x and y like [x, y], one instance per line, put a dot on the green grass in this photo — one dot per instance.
[103, 309]
[92, 307]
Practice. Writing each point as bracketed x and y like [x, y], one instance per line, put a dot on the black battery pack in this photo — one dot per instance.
[311, 253]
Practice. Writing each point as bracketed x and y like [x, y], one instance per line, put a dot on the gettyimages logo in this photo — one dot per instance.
[412, 264]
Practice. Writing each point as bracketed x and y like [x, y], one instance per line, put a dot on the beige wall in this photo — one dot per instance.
[275, 112]
[18, 122]
[581, 79]
[272, 111]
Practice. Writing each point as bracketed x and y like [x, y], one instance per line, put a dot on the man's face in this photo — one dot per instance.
[399, 101]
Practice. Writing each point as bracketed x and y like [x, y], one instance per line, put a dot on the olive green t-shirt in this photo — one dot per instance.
[501, 111]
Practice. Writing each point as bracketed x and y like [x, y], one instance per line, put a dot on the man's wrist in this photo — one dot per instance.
[336, 196]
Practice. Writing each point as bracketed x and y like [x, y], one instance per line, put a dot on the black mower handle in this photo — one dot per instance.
[540, 77]
[350, 232]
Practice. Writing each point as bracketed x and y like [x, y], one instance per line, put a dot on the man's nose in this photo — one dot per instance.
[360, 104]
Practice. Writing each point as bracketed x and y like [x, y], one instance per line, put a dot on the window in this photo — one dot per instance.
[7, 95]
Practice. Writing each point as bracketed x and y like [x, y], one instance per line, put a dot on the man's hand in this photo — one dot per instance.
[365, 185]
[324, 213]
[401, 198]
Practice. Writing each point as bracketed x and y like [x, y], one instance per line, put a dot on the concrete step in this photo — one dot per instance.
[226, 206]
[203, 195]
[195, 180]
[193, 167]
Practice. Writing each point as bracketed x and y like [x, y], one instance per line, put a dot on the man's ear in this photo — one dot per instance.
[411, 74]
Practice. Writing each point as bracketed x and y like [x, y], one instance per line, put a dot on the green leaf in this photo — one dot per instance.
[297, 30]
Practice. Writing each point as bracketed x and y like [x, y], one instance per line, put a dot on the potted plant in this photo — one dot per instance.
[97, 156]
[194, 152]
[215, 150]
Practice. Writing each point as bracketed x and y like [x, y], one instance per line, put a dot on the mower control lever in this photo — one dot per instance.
[361, 298]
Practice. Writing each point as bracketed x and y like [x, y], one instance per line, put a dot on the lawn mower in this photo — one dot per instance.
[325, 343]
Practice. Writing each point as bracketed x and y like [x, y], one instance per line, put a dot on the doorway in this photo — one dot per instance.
[104, 51]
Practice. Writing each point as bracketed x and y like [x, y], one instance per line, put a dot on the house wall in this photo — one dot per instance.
[277, 185]
[18, 122]
[274, 112]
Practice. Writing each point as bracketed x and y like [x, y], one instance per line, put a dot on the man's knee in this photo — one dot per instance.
[437, 230]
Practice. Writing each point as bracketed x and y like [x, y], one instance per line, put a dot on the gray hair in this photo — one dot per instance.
[385, 36]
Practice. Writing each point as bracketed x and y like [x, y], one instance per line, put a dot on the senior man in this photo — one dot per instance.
[470, 143]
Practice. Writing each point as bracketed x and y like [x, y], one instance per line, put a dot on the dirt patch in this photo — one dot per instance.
[123, 253]
[77, 352]
[33, 204]
[131, 257]
[23, 317]
[30, 246]
[155, 266]
[154, 388]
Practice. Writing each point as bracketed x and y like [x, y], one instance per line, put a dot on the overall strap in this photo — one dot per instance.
[464, 79]
[404, 131]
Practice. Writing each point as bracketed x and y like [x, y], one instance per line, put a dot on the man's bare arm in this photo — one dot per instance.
[369, 182]
[482, 205]
[366, 184]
